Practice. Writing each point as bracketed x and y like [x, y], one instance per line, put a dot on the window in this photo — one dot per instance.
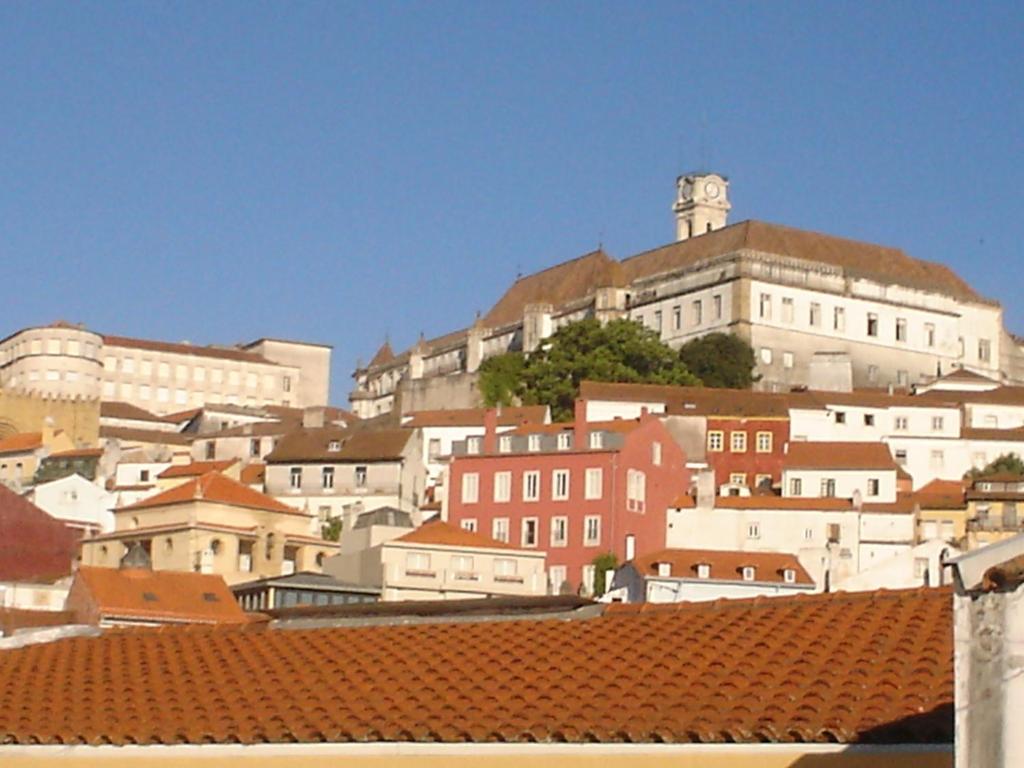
[787, 360]
[677, 317]
[499, 529]
[738, 442]
[360, 477]
[703, 571]
[474, 444]
[901, 424]
[764, 442]
[873, 486]
[698, 312]
[463, 566]
[502, 487]
[902, 378]
[737, 478]
[334, 446]
[327, 478]
[245, 556]
[656, 454]
[873, 373]
[839, 319]
[796, 486]
[657, 320]
[765, 308]
[766, 355]
[900, 455]
[815, 315]
[833, 533]
[596, 440]
[254, 448]
[808, 534]
[716, 440]
[588, 579]
[533, 443]
[929, 335]
[143, 475]
[869, 419]
[753, 530]
[505, 444]
[564, 441]
[594, 483]
[636, 490]
[984, 350]
[163, 395]
[872, 324]
[211, 450]
[559, 531]
[937, 460]
[828, 487]
[469, 524]
[144, 392]
[937, 423]
[529, 533]
[787, 310]
[556, 578]
[762, 481]
[531, 486]
[591, 531]
[470, 488]
[505, 568]
[901, 329]
[295, 476]
[788, 575]
[560, 484]
[418, 564]
[748, 572]
[840, 417]
[434, 448]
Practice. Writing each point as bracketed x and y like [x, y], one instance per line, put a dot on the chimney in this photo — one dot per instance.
[579, 425]
[490, 431]
[313, 418]
[706, 489]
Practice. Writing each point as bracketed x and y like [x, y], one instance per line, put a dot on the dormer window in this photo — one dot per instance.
[474, 444]
[789, 575]
[703, 571]
[334, 446]
[664, 569]
[533, 442]
[505, 444]
[749, 572]
[564, 441]
[596, 439]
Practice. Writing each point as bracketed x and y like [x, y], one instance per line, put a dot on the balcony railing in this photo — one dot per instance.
[995, 524]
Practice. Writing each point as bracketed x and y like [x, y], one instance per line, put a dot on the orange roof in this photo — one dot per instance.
[941, 494]
[870, 667]
[149, 436]
[215, 487]
[77, 453]
[21, 442]
[465, 417]
[765, 501]
[444, 534]
[725, 565]
[253, 474]
[195, 469]
[616, 425]
[141, 594]
[843, 456]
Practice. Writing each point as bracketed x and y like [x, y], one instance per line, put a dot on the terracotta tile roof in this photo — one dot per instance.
[221, 353]
[33, 545]
[21, 442]
[468, 417]
[857, 259]
[196, 468]
[941, 494]
[167, 596]
[842, 667]
[998, 396]
[218, 488]
[77, 453]
[448, 535]
[784, 502]
[384, 355]
[841, 456]
[354, 445]
[1015, 435]
[693, 401]
[150, 436]
[557, 285]
[253, 474]
[114, 409]
[621, 426]
[725, 565]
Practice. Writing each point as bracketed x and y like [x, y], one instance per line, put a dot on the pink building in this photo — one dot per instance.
[576, 490]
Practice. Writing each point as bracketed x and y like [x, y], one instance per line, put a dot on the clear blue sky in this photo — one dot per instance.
[220, 171]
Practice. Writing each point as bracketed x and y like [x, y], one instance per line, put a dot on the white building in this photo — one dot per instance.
[77, 503]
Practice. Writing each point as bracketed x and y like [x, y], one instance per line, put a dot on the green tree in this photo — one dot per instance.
[720, 360]
[620, 351]
[499, 378]
[603, 564]
[330, 530]
[1008, 462]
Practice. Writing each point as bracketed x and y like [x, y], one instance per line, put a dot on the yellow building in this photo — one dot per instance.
[21, 453]
[214, 524]
[992, 509]
[941, 511]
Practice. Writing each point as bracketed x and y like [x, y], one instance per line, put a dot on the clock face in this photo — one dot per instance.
[711, 190]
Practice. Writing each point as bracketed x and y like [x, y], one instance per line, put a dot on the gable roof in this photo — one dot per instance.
[215, 487]
[725, 565]
[558, 285]
[172, 596]
[839, 455]
[439, 533]
[115, 409]
[33, 545]
[355, 445]
[857, 259]
[871, 667]
[195, 468]
[941, 494]
[384, 355]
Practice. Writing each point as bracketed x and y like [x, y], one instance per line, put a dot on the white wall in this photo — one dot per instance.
[847, 482]
[699, 590]
[77, 502]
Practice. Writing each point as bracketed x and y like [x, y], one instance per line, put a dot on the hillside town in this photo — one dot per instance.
[837, 530]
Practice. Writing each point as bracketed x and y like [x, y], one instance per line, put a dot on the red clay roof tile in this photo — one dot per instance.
[214, 487]
[21, 442]
[448, 535]
[838, 455]
[725, 564]
[195, 468]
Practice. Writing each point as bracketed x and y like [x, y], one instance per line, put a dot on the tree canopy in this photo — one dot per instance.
[620, 351]
[720, 360]
[1009, 462]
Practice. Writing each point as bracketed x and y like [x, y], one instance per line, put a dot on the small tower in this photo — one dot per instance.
[702, 204]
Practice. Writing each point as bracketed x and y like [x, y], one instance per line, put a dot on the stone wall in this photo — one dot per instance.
[26, 412]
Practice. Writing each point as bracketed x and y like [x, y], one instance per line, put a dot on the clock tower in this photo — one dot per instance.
[702, 204]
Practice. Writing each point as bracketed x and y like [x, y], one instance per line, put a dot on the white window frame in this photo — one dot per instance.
[534, 476]
[560, 531]
[500, 529]
[716, 440]
[502, 487]
[560, 484]
[738, 441]
[593, 483]
[592, 531]
[764, 441]
[470, 488]
[524, 526]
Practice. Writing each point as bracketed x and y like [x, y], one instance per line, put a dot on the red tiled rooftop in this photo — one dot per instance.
[468, 417]
[614, 425]
[253, 474]
[445, 534]
[839, 455]
[725, 564]
[195, 468]
[21, 442]
[846, 668]
[218, 488]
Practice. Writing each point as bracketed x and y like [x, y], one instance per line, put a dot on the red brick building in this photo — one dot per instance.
[576, 490]
[33, 545]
